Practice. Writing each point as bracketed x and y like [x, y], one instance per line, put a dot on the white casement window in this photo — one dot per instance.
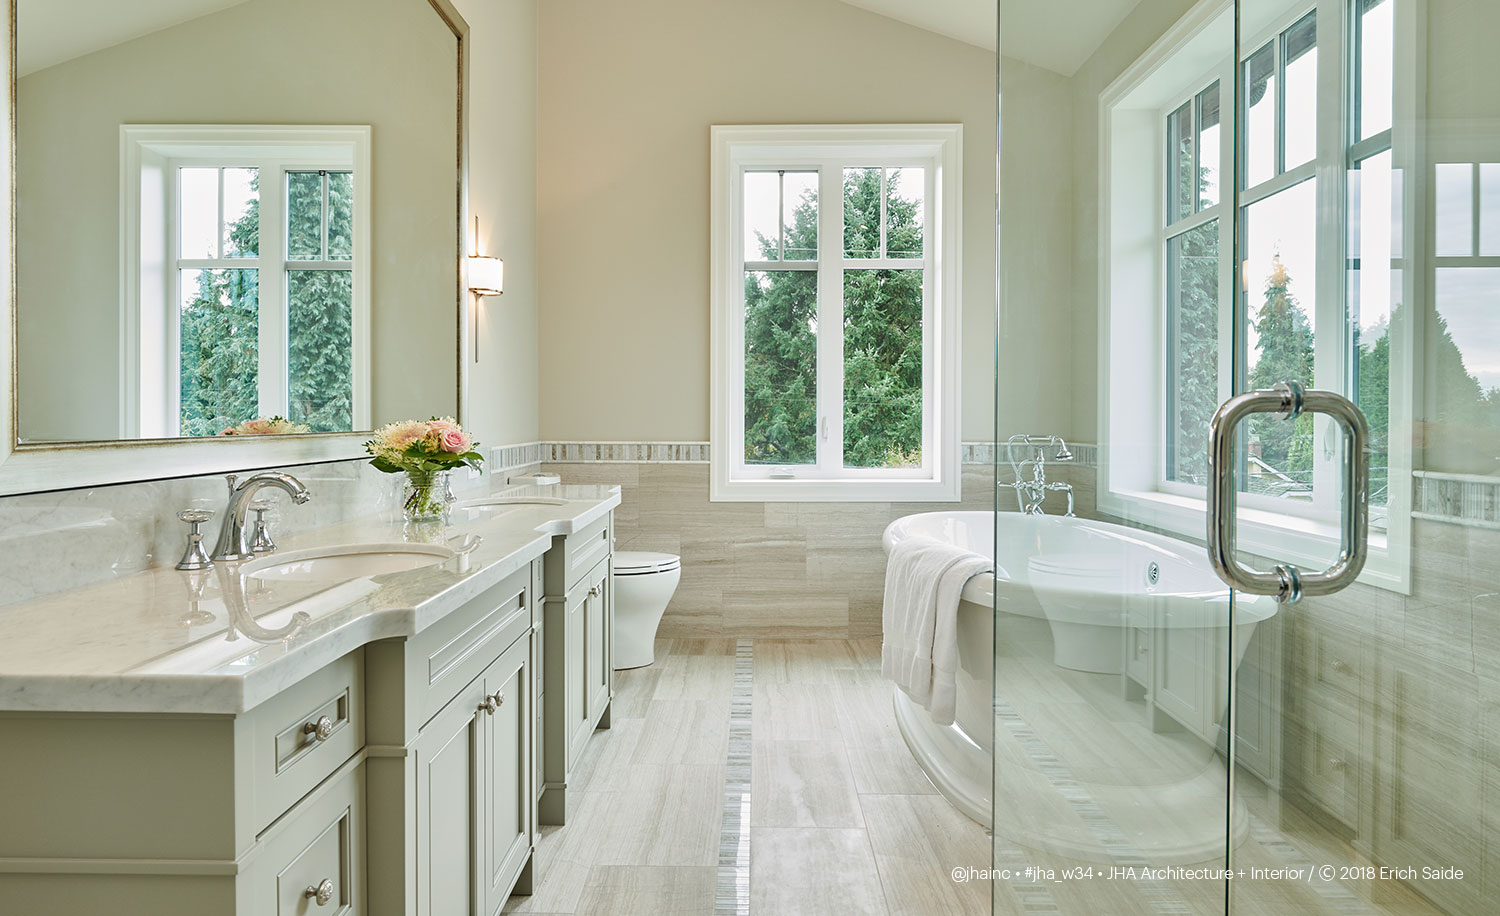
[245, 256]
[835, 313]
[1315, 205]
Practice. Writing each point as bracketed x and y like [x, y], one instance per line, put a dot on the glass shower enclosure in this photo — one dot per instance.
[1199, 201]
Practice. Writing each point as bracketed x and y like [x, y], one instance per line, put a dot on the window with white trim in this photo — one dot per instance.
[1304, 310]
[835, 315]
[250, 284]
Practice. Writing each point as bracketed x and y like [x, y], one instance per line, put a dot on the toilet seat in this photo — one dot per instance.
[642, 563]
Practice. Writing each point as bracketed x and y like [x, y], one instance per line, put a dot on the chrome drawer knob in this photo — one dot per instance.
[322, 893]
[320, 729]
[594, 591]
[499, 699]
[489, 705]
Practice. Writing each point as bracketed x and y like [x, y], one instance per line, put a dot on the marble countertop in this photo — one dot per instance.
[144, 643]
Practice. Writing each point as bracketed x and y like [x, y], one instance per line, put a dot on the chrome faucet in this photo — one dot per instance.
[234, 537]
[1031, 493]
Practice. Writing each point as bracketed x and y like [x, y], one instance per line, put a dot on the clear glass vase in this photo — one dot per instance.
[426, 497]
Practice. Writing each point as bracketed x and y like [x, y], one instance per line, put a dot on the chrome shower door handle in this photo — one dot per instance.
[1288, 400]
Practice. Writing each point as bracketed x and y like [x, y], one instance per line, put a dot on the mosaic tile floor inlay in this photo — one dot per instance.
[732, 893]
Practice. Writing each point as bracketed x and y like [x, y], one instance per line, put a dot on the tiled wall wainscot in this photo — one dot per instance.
[760, 569]
[53, 542]
[771, 569]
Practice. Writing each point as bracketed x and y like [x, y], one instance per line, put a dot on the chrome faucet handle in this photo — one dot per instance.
[195, 557]
[261, 542]
[235, 535]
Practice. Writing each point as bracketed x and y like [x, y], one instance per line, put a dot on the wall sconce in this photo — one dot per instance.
[486, 274]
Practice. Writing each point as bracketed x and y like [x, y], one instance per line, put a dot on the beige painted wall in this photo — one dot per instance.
[1036, 335]
[628, 93]
[68, 120]
[1125, 44]
[501, 404]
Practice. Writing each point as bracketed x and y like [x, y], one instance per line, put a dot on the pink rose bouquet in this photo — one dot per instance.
[425, 451]
[423, 447]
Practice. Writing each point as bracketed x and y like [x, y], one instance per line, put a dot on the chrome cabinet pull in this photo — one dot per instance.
[499, 699]
[321, 893]
[1286, 582]
[320, 729]
[489, 705]
[595, 590]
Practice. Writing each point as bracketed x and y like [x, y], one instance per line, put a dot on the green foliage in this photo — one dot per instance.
[220, 352]
[882, 341]
[781, 350]
[1373, 366]
[1193, 357]
[320, 306]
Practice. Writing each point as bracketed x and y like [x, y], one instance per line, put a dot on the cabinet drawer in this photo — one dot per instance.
[1326, 753]
[571, 560]
[1330, 661]
[452, 652]
[313, 863]
[304, 733]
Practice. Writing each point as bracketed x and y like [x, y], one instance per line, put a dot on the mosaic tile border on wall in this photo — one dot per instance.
[630, 452]
[1459, 499]
[1084, 455]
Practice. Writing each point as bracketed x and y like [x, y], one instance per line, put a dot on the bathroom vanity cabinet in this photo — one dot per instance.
[401, 777]
[166, 814]
[397, 779]
[450, 743]
[578, 678]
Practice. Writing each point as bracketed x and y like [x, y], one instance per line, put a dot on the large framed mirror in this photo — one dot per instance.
[237, 232]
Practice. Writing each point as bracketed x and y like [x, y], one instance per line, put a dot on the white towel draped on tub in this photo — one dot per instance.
[923, 579]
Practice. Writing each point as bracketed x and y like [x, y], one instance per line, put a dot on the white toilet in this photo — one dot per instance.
[644, 583]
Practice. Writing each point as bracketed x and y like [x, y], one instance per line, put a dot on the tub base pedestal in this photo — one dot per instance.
[1174, 823]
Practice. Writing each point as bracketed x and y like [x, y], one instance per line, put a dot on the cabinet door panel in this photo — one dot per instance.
[598, 656]
[507, 815]
[577, 691]
[449, 755]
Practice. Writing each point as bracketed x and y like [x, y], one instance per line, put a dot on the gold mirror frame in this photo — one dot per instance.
[37, 467]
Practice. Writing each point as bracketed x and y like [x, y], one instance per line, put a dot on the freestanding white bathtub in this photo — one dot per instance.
[1096, 657]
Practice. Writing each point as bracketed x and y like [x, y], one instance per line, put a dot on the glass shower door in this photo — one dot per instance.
[1199, 200]
[1113, 637]
[1368, 767]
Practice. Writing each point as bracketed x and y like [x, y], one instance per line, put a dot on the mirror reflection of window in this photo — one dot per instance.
[258, 309]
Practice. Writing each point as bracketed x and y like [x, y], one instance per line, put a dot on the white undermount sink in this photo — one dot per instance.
[499, 502]
[347, 561]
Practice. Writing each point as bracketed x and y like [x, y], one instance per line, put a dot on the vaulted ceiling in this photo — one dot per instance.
[49, 32]
[1057, 34]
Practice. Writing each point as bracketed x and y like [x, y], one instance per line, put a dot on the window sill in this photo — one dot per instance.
[724, 489]
[1306, 542]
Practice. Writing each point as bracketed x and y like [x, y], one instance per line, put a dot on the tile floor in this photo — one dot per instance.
[840, 819]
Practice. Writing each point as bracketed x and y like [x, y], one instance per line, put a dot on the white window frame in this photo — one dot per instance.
[150, 297]
[829, 149]
[1133, 297]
